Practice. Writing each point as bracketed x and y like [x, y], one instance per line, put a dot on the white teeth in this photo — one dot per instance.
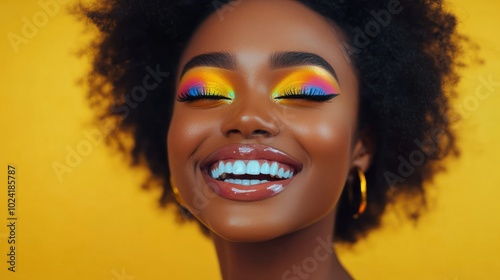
[281, 172]
[214, 173]
[264, 169]
[239, 167]
[274, 169]
[254, 182]
[245, 182]
[251, 167]
[228, 168]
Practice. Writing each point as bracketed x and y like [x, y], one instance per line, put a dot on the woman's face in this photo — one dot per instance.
[263, 130]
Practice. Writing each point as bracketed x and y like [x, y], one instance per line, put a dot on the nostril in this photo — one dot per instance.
[257, 132]
[261, 132]
[233, 131]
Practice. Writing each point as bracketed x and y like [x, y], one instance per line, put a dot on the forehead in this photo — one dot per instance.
[252, 30]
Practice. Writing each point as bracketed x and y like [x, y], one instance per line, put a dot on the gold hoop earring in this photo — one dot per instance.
[363, 199]
[175, 191]
[185, 214]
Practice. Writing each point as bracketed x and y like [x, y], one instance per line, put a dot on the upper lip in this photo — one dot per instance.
[250, 152]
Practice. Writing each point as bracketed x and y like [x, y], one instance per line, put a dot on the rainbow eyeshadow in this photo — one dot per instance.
[205, 83]
[310, 83]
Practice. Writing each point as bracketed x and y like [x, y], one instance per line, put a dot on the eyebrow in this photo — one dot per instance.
[277, 60]
[215, 59]
[290, 59]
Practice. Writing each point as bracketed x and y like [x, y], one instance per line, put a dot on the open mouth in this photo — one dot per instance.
[245, 172]
[250, 172]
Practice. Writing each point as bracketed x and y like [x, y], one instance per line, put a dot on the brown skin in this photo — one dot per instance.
[263, 239]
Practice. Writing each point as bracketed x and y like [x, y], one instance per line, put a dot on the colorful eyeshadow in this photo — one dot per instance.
[205, 83]
[307, 83]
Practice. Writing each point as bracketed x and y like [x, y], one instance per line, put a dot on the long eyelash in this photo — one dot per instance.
[201, 94]
[309, 94]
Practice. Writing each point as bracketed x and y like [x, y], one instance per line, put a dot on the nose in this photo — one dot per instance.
[251, 120]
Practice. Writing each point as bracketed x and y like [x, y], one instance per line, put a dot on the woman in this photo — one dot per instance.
[263, 117]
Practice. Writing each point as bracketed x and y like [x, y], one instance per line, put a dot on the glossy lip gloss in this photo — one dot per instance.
[245, 153]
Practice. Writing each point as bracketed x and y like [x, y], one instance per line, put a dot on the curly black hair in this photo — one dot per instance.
[405, 53]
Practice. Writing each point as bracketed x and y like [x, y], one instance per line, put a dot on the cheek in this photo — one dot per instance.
[330, 139]
[326, 136]
[332, 151]
[186, 133]
[329, 147]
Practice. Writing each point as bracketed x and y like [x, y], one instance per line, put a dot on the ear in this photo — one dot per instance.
[364, 150]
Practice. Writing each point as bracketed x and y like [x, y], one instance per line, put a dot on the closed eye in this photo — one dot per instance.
[309, 94]
[198, 93]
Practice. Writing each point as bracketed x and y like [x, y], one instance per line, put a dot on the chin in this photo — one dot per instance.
[259, 221]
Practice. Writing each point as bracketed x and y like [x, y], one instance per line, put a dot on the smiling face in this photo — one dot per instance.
[263, 132]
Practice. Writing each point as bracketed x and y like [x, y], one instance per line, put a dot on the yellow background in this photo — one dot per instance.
[96, 223]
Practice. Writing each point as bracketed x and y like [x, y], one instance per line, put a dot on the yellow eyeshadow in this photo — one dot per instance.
[310, 80]
[203, 81]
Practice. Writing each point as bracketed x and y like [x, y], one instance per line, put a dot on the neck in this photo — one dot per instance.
[305, 254]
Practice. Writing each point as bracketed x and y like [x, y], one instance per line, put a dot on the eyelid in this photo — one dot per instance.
[303, 80]
[292, 95]
[200, 93]
[205, 79]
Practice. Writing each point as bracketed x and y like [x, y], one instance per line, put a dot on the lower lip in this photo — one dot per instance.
[246, 193]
